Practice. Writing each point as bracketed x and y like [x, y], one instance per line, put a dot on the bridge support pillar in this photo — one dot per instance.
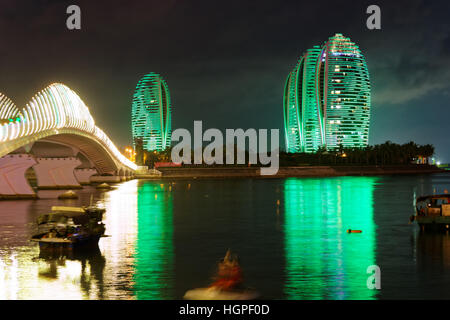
[83, 176]
[13, 183]
[57, 173]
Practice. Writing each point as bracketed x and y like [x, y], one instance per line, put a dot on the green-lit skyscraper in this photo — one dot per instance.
[151, 118]
[327, 98]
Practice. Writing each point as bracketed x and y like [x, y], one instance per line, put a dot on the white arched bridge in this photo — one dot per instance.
[54, 116]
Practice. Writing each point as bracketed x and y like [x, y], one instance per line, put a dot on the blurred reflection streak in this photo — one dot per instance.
[29, 274]
[154, 268]
[432, 250]
[2, 280]
[121, 223]
[322, 260]
[9, 285]
[83, 267]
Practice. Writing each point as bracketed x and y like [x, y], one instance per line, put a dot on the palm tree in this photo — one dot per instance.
[427, 152]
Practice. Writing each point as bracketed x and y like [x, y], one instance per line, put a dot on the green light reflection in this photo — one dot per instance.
[154, 258]
[322, 260]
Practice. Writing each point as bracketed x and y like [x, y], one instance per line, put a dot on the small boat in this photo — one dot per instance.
[433, 212]
[68, 195]
[228, 284]
[70, 227]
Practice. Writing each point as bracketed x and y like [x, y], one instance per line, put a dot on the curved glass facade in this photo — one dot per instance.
[151, 113]
[327, 98]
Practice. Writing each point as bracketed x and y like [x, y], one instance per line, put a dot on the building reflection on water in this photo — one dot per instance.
[154, 260]
[322, 260]
[295, 248]
[140, 251]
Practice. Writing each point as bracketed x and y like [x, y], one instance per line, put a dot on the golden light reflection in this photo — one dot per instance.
[35, 279]
[30, 274]
[121, 223]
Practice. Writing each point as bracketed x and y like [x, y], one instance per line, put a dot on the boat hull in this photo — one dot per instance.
[88, 242]
[433, 223]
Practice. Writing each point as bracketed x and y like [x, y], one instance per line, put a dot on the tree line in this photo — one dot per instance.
[388, 153]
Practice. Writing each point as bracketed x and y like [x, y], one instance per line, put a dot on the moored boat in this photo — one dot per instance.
[70, 227]
[433, 212]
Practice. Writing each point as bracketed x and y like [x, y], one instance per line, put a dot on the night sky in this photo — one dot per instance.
[226, 62]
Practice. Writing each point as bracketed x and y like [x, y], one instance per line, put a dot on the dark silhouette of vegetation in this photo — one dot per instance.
[388, 153]
[139, 149]
[151, 157]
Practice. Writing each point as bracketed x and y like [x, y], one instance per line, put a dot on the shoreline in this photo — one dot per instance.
[286, 172]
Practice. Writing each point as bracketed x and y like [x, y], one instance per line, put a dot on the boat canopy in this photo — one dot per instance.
[434, 196]
[67, 209]
[63, 217]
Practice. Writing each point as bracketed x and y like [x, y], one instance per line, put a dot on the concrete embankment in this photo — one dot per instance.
[303, 171]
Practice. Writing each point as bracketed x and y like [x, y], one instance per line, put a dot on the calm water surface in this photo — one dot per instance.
[166, 236]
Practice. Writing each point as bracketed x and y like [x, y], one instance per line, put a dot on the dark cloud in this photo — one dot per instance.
[410, 61]
[226, 62]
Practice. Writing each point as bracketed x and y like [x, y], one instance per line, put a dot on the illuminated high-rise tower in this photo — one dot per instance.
[302, 124]
[151, 118]
[327, 98]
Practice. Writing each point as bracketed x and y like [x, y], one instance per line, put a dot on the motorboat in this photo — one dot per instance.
[432, 212]
[69, 227]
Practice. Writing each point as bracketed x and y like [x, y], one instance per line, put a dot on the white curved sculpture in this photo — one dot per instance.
[8, 109]
[57, 113]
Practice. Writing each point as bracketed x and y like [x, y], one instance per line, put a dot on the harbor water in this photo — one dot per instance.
[165, 237]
